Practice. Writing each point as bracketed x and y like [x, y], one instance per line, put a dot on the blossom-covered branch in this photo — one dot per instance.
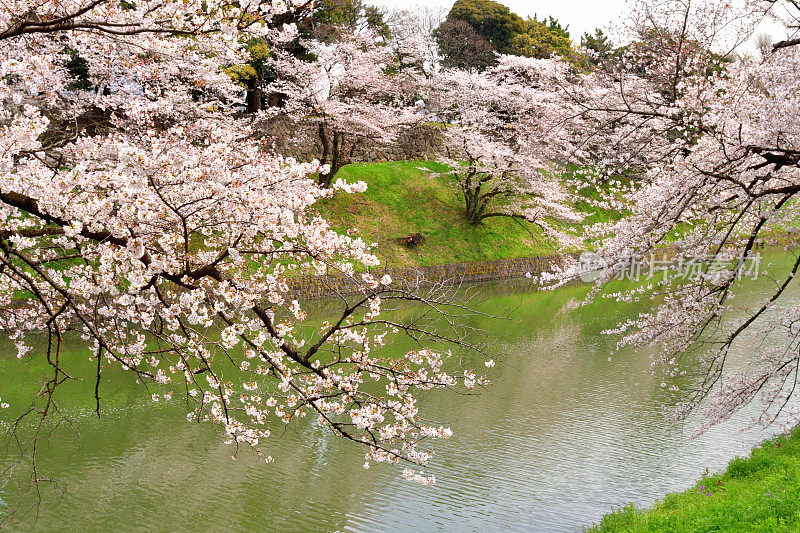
[713, 142]
[137, 211]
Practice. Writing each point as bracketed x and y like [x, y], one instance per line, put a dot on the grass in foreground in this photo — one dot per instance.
[402, 199]
[758, 493]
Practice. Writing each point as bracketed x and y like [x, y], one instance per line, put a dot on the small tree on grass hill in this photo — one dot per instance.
[497, 121]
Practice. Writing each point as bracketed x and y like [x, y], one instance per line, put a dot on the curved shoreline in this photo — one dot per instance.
[754, 493]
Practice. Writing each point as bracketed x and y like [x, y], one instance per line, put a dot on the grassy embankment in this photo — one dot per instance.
[758, 493]
[403, 198]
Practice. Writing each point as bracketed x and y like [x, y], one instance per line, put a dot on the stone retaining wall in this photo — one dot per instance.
[317, 287]
[300, 140]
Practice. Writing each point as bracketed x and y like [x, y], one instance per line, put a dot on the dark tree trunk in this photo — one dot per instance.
[473, 204]
[331, 155]
[254, 98]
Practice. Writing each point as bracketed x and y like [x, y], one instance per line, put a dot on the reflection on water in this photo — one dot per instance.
[562, 436]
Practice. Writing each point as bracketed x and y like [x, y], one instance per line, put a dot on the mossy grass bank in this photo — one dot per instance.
[760, 493]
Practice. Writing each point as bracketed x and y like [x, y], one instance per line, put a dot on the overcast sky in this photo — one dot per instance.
[580, 15]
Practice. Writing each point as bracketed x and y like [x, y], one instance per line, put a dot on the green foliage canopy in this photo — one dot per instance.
[508, 33]
[540, 41]
[492, 20]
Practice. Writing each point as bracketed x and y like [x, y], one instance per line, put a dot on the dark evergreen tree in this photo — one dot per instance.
[462, 47]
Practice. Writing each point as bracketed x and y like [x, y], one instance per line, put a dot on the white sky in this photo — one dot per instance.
[580, 15]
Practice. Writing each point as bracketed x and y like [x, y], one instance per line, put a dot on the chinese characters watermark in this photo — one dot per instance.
[593, 267]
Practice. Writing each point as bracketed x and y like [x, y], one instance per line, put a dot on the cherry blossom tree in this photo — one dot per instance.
[716, 148]
[411, 39]
[141, 219]
[350, 92]
[501, 139]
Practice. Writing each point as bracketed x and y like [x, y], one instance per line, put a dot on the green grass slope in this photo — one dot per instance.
[402, 198]
[755, 494]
